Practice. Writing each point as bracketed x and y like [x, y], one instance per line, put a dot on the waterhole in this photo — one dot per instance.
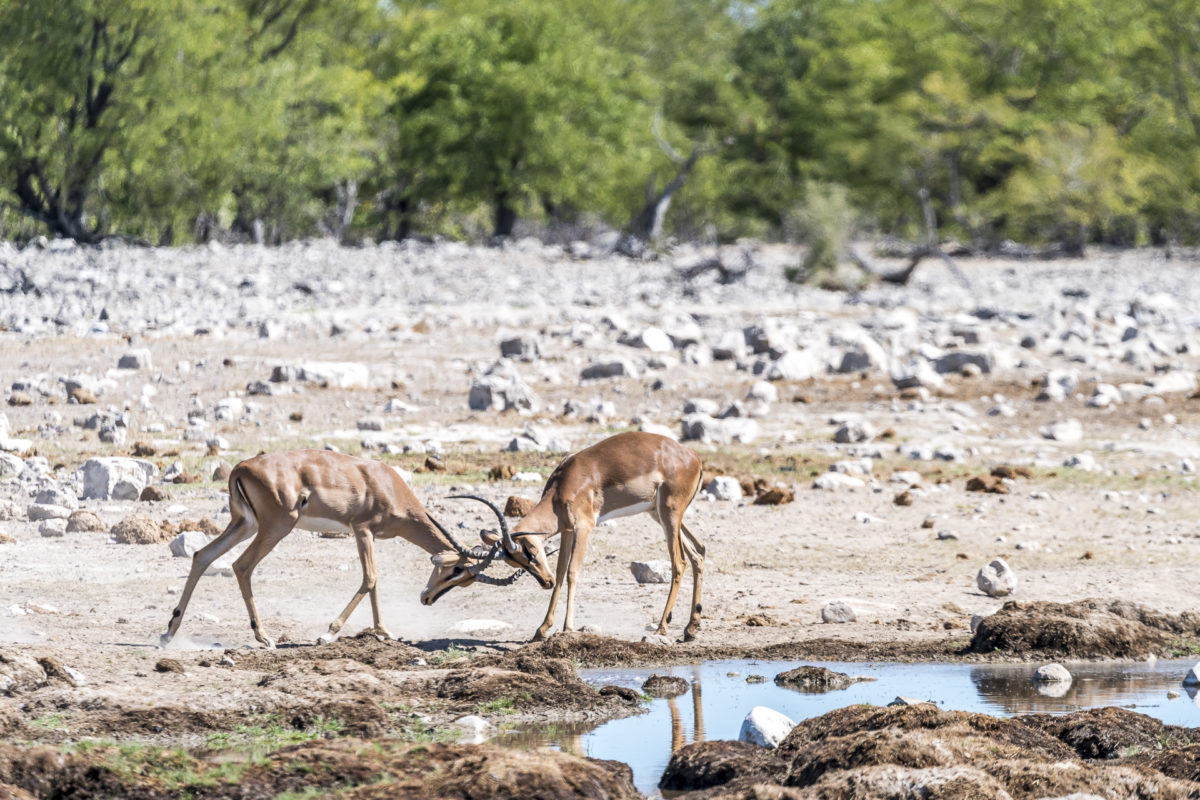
[722, 692]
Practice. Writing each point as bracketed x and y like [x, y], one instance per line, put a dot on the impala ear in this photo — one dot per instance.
[445, 559]
[489, 536]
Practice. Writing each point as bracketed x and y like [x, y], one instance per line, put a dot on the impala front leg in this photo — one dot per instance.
[578, 551]
[560, 569]
[366, 555]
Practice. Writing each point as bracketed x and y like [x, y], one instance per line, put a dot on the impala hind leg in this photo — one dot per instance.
[243, 568]
[366, 554]
[669, 513]
[240, 528]
[695, 554]
[560, 570]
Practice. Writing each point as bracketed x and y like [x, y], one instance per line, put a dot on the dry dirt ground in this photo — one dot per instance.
[91, 610]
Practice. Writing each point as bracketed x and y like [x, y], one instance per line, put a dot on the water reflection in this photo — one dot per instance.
[646, 742]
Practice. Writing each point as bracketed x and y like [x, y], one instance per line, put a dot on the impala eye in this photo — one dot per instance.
[457, 571]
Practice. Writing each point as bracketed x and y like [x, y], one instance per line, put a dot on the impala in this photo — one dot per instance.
[626, 474]
[271, 495]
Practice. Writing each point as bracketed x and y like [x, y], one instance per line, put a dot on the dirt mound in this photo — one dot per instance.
[854, 720]
[1177, 762]
[1101, 733]
[351, 768]
[13, 793]
[19, 673]
[365, 648]
[706, 764]
[528, 681]
[204, 525]
[139, 530]
[590, 650]
[899, 783]
[85, 521]
[1028, 779]
[665, 686]
[1083, 629]
[815, 679]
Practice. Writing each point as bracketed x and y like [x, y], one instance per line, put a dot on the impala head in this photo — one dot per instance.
[524, 550]
[462, 567]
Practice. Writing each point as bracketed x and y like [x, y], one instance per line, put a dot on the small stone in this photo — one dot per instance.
[152, 494]
[168, 665]
[222, 472]
[833, 481]
[1067, 431]
[837, 612]
[85, 521]
[725, 488]
[37, 512]
[853, 431]
[665, 686]
[765, 727]
[135, 359]
[370, 424]
[517, 506]
[1051, 673]
[905, 498]
[910, 701]
[987, 483]
[997, 579]
[52, 528]
[945, 536]
[775, 496]
[1193, 676]
[651, 571]
[187, 543]
[20, 399]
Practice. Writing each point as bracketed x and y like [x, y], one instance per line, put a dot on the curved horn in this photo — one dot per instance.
[458, 548]
[509, 546]
[509, 581]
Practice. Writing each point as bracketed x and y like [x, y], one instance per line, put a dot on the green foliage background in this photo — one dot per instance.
[1063, 121]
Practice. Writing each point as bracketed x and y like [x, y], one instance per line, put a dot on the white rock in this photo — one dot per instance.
[910, 701]
[1193, 676]
[765, 727]
[1051, 673]
[56, 495]
[837, 480]
[1104, 395]
[501, 389]
[41, 511]
[996, 579]
[10, 466]
[796, 365]
[1067, 431]
[859, 466]
[702, 405]
[854, 431]
[704, 428]
[658, 571]
[725, 487]
[53, 528]
[763, 392]
[187, 543]
[521, 348]
[837, 611]
[138, 358]
[907, 477]
[113, 478]
[1084, 461]
[653, 339]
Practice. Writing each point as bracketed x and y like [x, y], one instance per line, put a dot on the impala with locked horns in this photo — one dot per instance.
[272, 494]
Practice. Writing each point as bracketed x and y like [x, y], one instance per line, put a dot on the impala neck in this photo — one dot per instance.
[425, 535]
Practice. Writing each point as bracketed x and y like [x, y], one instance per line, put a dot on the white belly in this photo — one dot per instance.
[627, 511]
[322, 525]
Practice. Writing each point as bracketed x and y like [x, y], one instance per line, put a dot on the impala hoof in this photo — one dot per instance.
[164, 640]
[326, 638]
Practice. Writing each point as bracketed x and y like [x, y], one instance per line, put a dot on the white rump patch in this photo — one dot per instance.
[322, 525]
[627, 511]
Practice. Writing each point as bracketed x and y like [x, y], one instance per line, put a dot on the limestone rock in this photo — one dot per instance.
[187, 543]
[997, 579]
[114, 478]
[725, 487]
[765, 727]
[1051, 673]
[837, 612]
[658, 571]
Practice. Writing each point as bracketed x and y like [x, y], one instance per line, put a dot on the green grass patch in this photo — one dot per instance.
[270, 734]
[451, 653]
[501, 705]
[50, 722]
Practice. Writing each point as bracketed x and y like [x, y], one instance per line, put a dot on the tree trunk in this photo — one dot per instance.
[505, 216]
[647, 223]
